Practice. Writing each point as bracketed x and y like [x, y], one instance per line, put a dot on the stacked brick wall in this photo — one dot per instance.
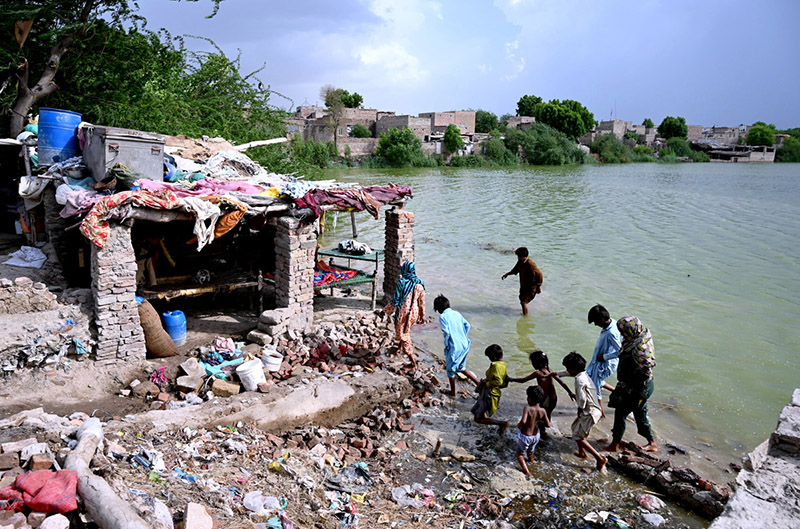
[295, 245]
[399, 246]
[22, 296]
[119, 332]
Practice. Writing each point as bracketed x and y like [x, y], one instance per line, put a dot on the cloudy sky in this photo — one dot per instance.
[715, 63]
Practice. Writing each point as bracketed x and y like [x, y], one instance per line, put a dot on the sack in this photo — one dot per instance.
[480, 407]
[157, 341]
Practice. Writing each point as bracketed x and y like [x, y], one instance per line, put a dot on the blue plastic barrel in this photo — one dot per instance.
[58, 139]
[175, 325]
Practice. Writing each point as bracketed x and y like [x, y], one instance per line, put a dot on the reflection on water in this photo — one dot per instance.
[706, 255]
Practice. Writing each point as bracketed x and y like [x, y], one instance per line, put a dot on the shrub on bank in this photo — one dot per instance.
[543, 145]
[610, 150]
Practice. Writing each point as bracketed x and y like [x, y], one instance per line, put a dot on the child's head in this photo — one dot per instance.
[535, 395]
[599, 316]
[539, 360]
[441, 303]
[521, 252]
[494, 352]
[574, 363]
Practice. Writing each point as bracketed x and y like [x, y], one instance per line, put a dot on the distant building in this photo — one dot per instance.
[463, 119]
[420, 126]
[520, 122]
[616, 127]
[741, 154]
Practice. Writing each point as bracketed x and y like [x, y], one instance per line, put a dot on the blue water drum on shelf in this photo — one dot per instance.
[175, 325]
[58, 135]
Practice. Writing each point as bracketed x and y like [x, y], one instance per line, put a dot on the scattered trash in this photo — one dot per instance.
[656, 520]
[350, 479]
[413, 495]
[650, 502]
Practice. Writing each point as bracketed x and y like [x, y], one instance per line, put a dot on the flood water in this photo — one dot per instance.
[706, 255]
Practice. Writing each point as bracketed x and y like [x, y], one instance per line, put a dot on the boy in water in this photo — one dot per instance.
[589, 411]
[456, 343]
[532, 415]
[530, 278]
[489, 389]
[544, 376]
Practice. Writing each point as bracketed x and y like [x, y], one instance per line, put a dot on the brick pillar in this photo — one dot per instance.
[119, 332]
[295, 243]
[399, 247]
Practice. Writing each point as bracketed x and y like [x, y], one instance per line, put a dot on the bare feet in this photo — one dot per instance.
[613, 447]
[503, 428]
[448, 393]
[601, 464]
[650, 447]
[580, 455]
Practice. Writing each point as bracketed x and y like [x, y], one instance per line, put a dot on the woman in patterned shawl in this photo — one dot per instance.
[408, 304]
[634, 382]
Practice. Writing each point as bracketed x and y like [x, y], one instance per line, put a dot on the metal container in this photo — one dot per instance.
[142, 152]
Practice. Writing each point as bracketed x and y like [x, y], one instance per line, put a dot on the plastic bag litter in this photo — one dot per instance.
[650, 502]
[412, 495]
[654, 519]
[256, 501]
[350, 479]
[28, 257]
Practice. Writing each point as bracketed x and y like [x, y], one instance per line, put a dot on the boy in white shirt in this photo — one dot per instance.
[589, 411]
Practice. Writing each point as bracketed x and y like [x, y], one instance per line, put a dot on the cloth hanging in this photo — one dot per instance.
[207, 214]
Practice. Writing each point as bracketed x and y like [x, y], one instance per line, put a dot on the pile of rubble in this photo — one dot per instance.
[38, 330]
[333, 349]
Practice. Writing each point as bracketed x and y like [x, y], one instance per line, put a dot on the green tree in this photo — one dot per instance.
[568, 116]
[648, 123]
[526, 104]
[610, 150]
[761, 134]
[360, 131]
[401, 148]
[543, 145]
[789, 151]
[673, 128]
[353, 100]
[452, 139]
[485, 121]
[34, 62]
[335, 105]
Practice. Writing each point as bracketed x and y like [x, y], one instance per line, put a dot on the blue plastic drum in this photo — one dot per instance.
[58, 135]
[175, 325]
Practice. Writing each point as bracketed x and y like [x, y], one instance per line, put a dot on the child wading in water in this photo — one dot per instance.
[589, 411]
[532, 416]
[489, 389]
[456, 342]
[544, 376]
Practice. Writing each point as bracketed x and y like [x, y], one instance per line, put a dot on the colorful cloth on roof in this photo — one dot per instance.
[406, 283]
[370, 199]
[637, 345]
[201, 188]
[297, 189]
[95, 226]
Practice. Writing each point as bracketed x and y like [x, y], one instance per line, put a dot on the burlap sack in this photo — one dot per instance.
[156, 339]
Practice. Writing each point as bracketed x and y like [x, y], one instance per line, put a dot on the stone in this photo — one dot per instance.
[193, 368]
[58, 521]
[13, 519]
[259, 337]
[264, 387]
[197, 516]
[40, 462]
[251, 348]
[9, 476]
[163, 397]
[223, 388]
[188, 384]
[145, 388]
[9, 460]
[17, 446]
[462, 455]
[23, 281]
[35, 519]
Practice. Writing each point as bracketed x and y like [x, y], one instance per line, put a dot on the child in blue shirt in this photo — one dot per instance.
[456, 343]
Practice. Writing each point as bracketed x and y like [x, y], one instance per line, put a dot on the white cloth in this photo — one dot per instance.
[207, 216]
[28, 257]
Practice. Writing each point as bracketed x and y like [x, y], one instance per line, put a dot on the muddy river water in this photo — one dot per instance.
[706, 255]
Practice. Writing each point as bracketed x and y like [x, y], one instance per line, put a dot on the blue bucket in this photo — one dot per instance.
[58, 139]
[175, 325]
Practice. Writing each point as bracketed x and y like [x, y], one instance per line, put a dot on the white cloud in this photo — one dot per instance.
[400, 66]
[517, 63]
[485, 68]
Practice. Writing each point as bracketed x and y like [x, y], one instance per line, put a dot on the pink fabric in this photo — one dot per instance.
[43, 491]
[79, 201]
[202, 188]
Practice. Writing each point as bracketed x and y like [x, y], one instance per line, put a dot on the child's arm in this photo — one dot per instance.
[563, 385]
[523, 379]
[546, 418]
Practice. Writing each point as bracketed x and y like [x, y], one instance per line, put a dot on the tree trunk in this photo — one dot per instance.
[27, 97]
